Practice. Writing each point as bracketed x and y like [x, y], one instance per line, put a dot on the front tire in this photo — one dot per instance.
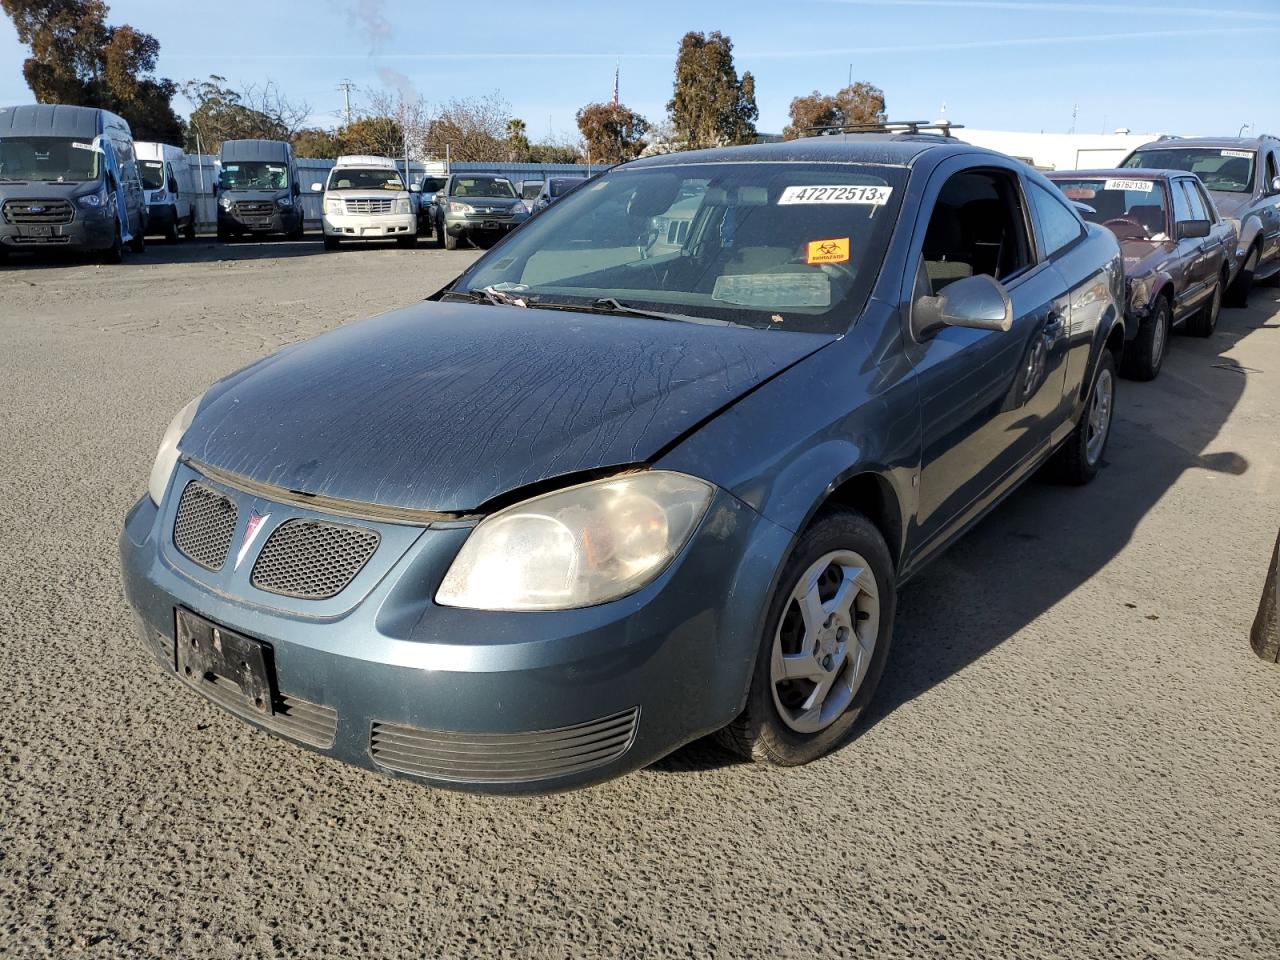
[1238, 293]
[331, 243]
[1079, 459]
[1144, 354]
[138, 244]
[450, 241]
[189, 231]
[826, 639]
[115, 252]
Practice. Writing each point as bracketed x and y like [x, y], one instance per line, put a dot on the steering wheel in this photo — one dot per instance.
[1131, 226]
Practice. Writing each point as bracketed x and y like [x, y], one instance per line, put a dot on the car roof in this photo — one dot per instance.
[1126, 173]
[254, 149]
[892, 149]
[55, 120]
[1218, 143]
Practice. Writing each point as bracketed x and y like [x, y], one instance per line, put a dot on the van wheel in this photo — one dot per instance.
[1144, 354]
[298, 232]
[1079, 459]
[331, 243]
[1205, 320]
[1238, 292]
[115, 252]
[825, 643]
[138, 243]
[224, 235]
[172, 235]
[189, 231]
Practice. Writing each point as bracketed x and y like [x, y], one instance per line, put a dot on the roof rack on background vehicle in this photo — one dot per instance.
[888, 126]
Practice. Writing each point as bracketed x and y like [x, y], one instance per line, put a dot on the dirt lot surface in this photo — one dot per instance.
[1074, 752]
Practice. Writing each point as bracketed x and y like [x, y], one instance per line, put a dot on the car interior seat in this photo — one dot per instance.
[945, 256]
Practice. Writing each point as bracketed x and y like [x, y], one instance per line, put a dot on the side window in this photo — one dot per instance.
[1271, 170]
[978, 226]
[1181, 209]
[1059, 226]
[1194, 203]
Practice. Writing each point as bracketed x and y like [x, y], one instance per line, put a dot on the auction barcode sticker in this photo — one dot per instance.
[1246, 154]
[81, 146]
[836, 194]
[1142, 186]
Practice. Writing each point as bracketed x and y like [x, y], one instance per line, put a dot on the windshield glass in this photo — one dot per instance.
[558, 188]
[48, 158]
[349, 178]
[530, 189]
[1131, 209]
[482, 187]
[152, 173]
[432, 184]
[1230, 171]
[773, 246]
[254, 175]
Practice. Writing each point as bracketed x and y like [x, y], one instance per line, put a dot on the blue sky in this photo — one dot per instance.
[1184, 66]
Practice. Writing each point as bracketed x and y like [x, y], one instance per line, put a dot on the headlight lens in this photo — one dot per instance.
[167, 456]
[159, 196]
[225, 203]
[334, 205]
[1139, 293]
[455, 207]
[577, 547]
[404, 206]
[285, 202]
[92, 200]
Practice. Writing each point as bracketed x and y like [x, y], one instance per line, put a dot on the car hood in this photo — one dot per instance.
[1230, 204]
[48, 190]
[1142, 256]
[490, 204]
[444, 406]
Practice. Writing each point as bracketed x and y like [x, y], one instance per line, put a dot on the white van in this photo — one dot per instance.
[365, 199]
[170, 189]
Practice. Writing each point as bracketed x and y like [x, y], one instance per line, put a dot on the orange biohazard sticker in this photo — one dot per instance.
[829, 251]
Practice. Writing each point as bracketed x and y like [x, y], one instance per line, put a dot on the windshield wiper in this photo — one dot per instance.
[612, 305]
[488, 295]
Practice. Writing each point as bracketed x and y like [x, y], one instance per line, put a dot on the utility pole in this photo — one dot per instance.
[346, 87]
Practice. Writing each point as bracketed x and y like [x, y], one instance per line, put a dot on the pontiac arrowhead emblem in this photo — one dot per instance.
[251, 530]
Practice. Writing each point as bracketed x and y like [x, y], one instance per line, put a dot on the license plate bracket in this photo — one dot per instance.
[210, 654]
[490, 225]
[35, 230]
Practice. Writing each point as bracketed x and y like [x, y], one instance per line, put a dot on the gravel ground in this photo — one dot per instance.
[1073, 753]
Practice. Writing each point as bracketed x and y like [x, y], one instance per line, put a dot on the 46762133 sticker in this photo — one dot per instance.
[1141, 186]
[862, 194]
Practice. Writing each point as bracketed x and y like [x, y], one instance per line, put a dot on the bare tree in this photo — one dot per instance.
[472, 128]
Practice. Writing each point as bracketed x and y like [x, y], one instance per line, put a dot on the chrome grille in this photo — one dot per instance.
[312, 559]
[372, 205]
[503, 757]
[38, 211]
[254, 208]
[204, 524]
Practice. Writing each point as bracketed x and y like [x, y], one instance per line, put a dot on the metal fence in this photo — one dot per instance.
[204, 173]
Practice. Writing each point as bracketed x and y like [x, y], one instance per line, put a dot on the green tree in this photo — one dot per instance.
[614, 134]
[554, 153]
[517, 141]
[380, 136]
[856, 103]
[256, 112]
[711, 105]
[316, 143]
[77, 58]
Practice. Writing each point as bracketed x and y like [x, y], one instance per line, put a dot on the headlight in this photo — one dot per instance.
[167, 456]
[92, 200]
[285, 202]
[404, 206]
[225, 203]
[577, 547]
[456, 207]
[159, 196]
[1139, 293]
[334, 205]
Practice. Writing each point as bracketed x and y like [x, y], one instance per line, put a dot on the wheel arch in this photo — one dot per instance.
[873, 495]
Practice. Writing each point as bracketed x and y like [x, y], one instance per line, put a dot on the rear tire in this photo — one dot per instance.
[1079, 459]
[1205, 320]
[1238, 292]
[843, 568]
[189, 231]
[171, 234]
[1144, 354]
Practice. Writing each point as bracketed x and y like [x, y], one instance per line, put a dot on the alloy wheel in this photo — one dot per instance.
[1099, 415]
[825, 641]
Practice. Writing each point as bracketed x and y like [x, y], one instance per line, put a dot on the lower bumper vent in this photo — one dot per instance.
[312, 723]
[504, 757]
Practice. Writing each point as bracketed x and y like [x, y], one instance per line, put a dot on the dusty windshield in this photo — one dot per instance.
[254, 175]
[353, 179]
[1132, 209]
[774, 246]
[1227, 170]
[48, 158]
[482, 187]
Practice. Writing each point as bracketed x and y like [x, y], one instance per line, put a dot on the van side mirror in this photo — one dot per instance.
[317, 188]
[1193, 229]
[297, 189]
[1275, 184]
[173, 186]
[414, 188]
[979, 303]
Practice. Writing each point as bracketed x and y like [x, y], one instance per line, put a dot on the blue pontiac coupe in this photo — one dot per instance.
[654, 467]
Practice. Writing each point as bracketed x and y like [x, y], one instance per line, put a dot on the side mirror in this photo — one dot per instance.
[414, 188]
[297, 190]
[1193, 229]
[317, 188]
[173, 186]
[1275, 184]
[979, 303]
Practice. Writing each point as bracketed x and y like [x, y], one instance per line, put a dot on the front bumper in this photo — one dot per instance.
[280, 221]
[459, 226]
[381, 677]
[356, 226]
[87, 231]
[161, 217]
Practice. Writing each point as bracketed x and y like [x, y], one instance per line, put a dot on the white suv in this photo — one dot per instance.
[365, 199]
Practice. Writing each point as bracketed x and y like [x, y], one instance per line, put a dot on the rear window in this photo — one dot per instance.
[1132, 209]
[558, 188]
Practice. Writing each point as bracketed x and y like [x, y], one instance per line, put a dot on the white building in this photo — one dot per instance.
[1060, 151]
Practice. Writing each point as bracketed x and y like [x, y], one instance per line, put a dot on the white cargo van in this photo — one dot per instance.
[170, 189]
[365, 199]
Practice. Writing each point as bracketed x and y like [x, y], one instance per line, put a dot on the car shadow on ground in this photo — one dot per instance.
[1046, 539]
